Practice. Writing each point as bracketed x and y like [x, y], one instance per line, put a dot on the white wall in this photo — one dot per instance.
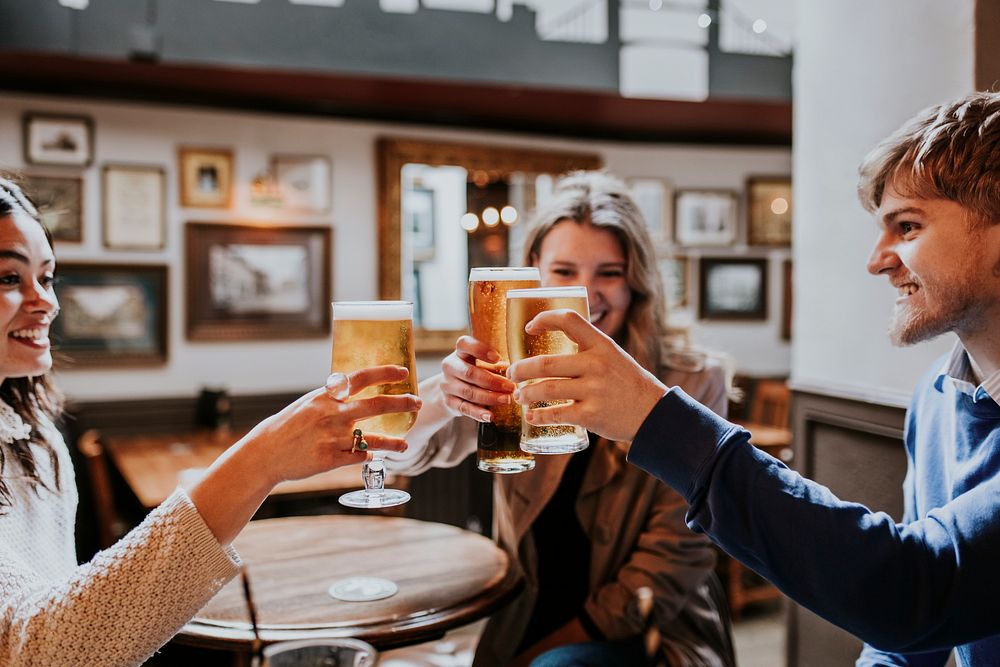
[151, 134]
[861, 69]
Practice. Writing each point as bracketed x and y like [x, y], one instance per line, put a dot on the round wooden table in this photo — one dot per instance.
[447, 577]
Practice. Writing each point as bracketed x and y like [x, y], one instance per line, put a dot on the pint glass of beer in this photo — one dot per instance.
[376, 333]
[522, 306]
[498, 445]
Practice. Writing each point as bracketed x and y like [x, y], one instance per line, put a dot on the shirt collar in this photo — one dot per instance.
[958, 369]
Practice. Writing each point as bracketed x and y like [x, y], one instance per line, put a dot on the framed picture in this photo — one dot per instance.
[786, 304]
[134, 207]
[705, 217]
[60, 205]
[111, 314]
[769, 210]
[248, 282]
[64, 141]
[418, 221]
[304, 181]
[732, 288]
[674, 272]
[206, 176]
[652, 196]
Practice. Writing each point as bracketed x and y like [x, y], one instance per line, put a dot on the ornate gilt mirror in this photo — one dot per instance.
[444, 207]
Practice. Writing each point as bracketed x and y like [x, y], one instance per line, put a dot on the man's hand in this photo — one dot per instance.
[611, 393]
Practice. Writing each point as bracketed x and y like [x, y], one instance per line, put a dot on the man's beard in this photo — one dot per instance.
[960, 312]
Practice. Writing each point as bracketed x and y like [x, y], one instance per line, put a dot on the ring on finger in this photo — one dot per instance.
[338, 387]
[359, 444]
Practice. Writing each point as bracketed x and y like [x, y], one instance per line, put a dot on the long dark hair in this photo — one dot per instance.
[31, 397]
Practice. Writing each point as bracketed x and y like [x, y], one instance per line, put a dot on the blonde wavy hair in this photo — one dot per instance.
[603, 200]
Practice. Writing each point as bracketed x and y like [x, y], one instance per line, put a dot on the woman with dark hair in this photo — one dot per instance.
[131, 598]
[587, 530]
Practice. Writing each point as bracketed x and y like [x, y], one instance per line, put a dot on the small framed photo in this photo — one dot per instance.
[247, 282]
[732, 288]
[674, 272]
[56, 140]
[60, 205]
[769, 210]
[652, 196]
[418, 220]
[111, 314]
[304, 182]
[134, 207]
[705, 217]
[206, 177]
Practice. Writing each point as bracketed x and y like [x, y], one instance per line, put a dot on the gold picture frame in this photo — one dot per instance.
[769, 211]
[206, 177]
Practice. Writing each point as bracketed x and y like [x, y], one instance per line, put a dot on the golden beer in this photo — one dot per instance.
[376, 333]
[522, 306]
[498, 446]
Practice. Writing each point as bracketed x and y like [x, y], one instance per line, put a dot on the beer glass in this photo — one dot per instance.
[375, 333]
[321, 653]
[522, 306]
[498, 443]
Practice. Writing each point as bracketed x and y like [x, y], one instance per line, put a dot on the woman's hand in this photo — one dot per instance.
[468, 389]
[315, 433]
[612, 394]
[312, 435]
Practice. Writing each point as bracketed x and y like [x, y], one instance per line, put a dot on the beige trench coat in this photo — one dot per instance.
[634, 522]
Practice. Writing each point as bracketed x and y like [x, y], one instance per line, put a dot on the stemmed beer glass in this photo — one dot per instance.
[375, 333]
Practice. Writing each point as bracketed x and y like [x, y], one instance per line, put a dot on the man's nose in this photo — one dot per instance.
[883, 257]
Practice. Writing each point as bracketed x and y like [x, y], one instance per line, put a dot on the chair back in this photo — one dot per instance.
[108, 525]
[770, 403]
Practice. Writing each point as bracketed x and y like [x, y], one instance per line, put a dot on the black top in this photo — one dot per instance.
[563, 555]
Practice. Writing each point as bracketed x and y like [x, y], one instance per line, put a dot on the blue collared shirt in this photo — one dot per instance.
[958, 368]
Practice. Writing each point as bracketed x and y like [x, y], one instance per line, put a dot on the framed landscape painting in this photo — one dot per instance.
[248, 282]
[111, 315]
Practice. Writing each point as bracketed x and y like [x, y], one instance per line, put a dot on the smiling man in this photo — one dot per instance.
[915, 589]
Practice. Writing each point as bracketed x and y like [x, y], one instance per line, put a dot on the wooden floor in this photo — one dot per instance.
[759, 637]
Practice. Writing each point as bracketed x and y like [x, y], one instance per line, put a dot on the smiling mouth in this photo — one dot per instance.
[34, 336]
[595, 318]
[907, 289]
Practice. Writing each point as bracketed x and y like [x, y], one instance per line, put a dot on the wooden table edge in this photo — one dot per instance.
[411, 631]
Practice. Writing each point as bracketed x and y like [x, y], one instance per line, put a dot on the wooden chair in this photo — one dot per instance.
[109, 525]
[769, 408]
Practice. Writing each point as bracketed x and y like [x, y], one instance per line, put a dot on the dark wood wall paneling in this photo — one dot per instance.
[856, 450]
[519, 108]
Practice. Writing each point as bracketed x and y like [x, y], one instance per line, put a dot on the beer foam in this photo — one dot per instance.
[482, 273]
[548, 292]
[372, 310]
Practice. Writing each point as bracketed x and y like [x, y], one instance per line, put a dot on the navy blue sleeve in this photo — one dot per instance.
[896, 586]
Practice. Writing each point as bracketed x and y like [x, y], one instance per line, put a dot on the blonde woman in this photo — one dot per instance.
[588, 530]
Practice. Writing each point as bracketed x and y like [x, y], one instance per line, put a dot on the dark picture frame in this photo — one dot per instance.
[206, 177]
[134, 207]
[111, 315]
[769, 211]
[704, 217]
[60, 205]
[58, 140]
[732, 288]
[252, 282]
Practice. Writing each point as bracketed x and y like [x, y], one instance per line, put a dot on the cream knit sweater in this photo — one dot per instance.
[121, 606]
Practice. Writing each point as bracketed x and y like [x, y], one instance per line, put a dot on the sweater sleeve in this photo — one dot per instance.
[124, 604]
[438, 439]
[896, 586]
